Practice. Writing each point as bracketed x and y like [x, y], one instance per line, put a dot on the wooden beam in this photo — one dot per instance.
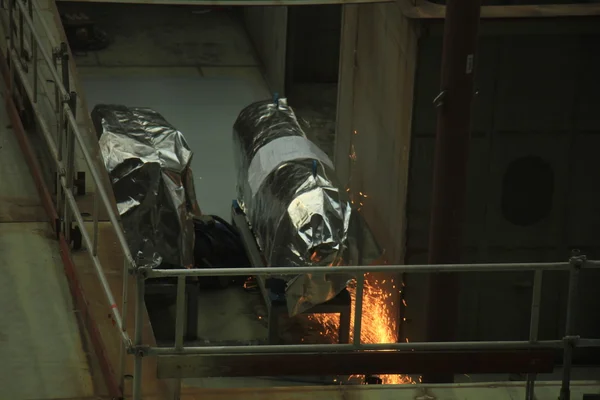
[349, 363]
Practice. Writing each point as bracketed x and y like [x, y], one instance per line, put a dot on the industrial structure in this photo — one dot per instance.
[463, 139]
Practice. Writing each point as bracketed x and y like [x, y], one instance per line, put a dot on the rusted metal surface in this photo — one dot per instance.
[348, 363]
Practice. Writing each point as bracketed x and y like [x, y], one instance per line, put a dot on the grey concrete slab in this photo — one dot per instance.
[41, 350]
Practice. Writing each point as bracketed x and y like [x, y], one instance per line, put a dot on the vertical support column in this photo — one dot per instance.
[21, 51]
[139, 324]
[570, 340]
[450, 167]
[61, 130]
[32, 41]
[11, 46]
[34, 56]
[533, 326]
[64, 56]
[179, 327]
[70, 167]
[127, 268]
[358, 308]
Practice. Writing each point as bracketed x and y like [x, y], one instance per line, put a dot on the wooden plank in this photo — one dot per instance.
[350, 363]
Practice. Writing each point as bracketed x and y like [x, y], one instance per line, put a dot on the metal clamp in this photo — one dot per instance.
[140, 350]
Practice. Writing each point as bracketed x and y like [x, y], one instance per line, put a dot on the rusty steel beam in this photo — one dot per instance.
[450, 168]
[350, 363]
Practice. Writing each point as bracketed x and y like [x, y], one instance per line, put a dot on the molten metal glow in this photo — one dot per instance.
[378, 320]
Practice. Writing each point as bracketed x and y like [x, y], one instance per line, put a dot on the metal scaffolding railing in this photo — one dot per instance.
[55, 107]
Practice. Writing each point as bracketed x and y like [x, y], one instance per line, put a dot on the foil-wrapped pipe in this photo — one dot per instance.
[294, 204]
[148, 162]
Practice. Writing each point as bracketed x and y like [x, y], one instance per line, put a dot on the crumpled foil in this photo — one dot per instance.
[294, 204]
[148, 161]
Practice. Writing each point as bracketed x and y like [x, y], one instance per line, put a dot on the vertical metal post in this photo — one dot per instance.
[30, 11]
[70, 167]
[11, 45]
[139, 324]
[358, 307]
[124, 313]
[179, 327]
[64, 56]
[534, 326]
[34, 55]
[450, 167]
[95, 212]
[57, 101]
[577, 261]
[60, 128]
[21, 51]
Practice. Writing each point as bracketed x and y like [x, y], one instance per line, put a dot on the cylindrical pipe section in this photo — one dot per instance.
[64, 56]
[95, 212]
[180, 312]
[138, 335]
[312, 348]
[266, 271]
[576, 264]
[533, 326]
[34, 54]
[358, 308]
[124, 305]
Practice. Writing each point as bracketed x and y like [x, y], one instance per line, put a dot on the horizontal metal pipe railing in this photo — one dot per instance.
[320, 348]
[482, 267]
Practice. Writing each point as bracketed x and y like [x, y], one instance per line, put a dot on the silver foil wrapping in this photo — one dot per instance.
[293, 202]
[148, 162]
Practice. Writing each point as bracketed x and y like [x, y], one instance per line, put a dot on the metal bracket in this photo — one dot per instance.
[141, 350]
[577, 259]
[572, 341]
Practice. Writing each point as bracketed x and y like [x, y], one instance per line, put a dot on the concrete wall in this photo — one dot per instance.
[267, 27]
[536, 114]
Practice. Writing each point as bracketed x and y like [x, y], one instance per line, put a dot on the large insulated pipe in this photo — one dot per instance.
[450, 167]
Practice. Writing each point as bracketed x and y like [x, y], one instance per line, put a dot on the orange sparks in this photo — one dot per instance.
[378, 321]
